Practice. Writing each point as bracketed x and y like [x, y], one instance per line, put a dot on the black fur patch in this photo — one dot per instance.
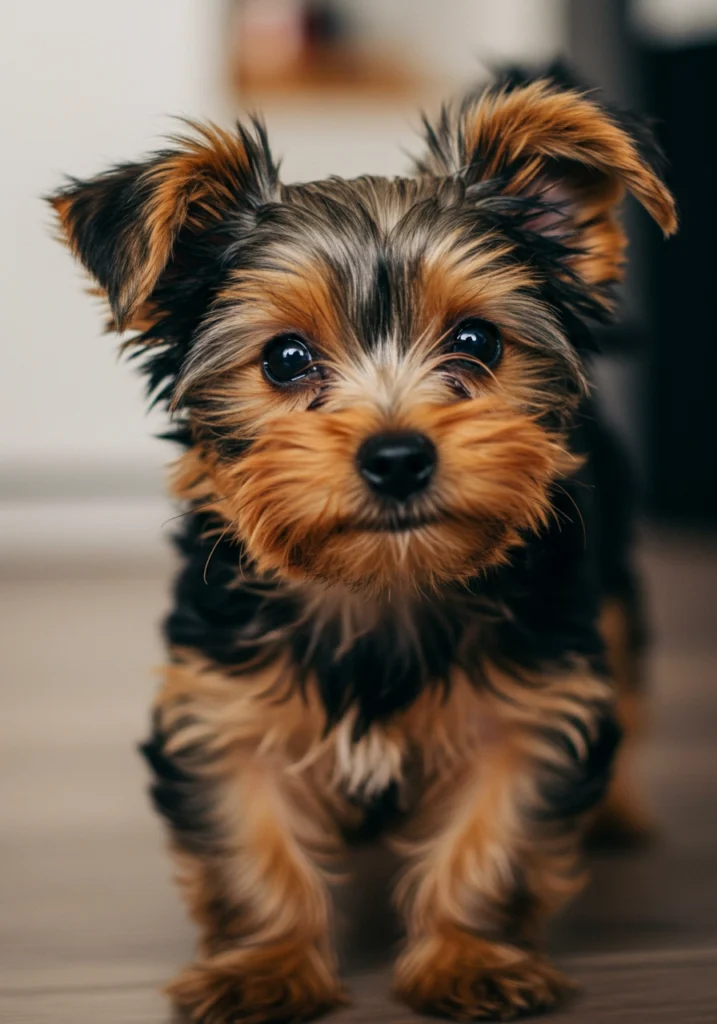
[178, 795]
[214, 613]
[382, 672]
[582, 782]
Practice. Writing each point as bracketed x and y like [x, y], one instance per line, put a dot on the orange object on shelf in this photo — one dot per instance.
[293, 50]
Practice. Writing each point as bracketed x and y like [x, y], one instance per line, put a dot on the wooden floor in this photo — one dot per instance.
[90, 924]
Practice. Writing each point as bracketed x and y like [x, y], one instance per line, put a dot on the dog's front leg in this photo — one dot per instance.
[494, 851]
[251, 840]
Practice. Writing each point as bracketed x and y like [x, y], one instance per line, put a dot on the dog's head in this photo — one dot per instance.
[374, 376]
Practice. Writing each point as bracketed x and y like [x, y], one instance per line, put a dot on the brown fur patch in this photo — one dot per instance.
[190, 187]
[541, 123]
[463, 977]
[542, 135]
[624, 818]
[257, 984]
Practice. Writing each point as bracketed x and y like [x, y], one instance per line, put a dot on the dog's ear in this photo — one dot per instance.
[124, 225]
[550, 141]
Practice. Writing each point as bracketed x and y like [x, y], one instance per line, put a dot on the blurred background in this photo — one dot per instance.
[84, 525]
[340, 83]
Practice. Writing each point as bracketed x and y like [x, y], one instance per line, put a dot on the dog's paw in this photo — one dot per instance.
[468, 978]
[255, 986]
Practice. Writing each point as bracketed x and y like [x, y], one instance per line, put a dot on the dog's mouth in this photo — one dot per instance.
[391, 521]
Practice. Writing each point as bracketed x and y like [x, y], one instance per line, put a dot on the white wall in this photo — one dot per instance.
[453, 37]
[82, 83]
[675, 22]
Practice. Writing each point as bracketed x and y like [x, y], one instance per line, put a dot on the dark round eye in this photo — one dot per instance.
[287, 358]
[477, 340]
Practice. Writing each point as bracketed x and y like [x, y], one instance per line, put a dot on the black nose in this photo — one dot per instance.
[397, 465]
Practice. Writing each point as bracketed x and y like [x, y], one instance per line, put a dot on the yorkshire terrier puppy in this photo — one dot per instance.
[405, 524]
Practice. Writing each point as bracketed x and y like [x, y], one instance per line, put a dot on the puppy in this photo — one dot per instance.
[397, 544]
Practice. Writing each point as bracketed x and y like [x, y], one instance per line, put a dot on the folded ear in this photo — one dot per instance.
[124, 225]
[549, 140]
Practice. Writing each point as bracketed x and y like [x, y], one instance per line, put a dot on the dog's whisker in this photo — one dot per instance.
[218, 541]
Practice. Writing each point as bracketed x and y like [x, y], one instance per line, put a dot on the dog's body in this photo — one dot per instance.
[397, 550]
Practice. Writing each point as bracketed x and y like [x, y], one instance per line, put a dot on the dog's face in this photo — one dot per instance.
[375, 376]
[374, 373]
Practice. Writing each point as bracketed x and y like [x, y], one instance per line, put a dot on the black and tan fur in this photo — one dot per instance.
[329, 653]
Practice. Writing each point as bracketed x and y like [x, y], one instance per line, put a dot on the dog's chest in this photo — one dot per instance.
[366, 767]
[412, 711]
[432, 738]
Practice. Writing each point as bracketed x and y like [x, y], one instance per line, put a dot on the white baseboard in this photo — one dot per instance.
[52, 532]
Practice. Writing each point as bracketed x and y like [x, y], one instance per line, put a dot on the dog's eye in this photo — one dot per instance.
[287, 358]
[478, 341]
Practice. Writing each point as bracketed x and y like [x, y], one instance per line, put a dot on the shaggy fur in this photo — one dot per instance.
[333, 650]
